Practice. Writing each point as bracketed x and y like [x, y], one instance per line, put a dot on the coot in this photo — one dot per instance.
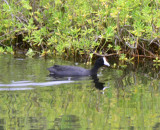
[78, 71]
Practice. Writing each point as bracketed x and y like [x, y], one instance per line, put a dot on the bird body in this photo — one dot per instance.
[61, 70]
[67, 70]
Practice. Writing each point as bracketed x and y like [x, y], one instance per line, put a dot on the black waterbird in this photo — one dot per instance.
[78, 71]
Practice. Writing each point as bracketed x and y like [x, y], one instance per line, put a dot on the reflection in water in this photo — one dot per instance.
[15, 89]
[99, 85]
[67, 122]
[22, 84]
[2, 122]
[157, 126]
[132, 100]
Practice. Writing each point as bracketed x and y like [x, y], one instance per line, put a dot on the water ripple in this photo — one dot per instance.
[27, 83]
[14, 89]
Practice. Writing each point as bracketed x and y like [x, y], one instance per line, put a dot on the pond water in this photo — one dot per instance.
[30, 99]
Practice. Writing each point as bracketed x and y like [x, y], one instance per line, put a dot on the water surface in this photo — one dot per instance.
[115, 99]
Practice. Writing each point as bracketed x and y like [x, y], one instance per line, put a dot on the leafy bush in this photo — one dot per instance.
[82, 26]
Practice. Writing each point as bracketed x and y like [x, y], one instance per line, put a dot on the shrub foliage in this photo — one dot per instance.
[82, 27]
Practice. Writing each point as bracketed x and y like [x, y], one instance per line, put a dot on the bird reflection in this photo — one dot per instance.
[99, 85]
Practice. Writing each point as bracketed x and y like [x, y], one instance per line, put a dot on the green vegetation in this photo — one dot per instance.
[156, 62]
[82, 27]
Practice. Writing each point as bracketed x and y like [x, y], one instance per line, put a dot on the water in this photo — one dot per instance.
[116, 99]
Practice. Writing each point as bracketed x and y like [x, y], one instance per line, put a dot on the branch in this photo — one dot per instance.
[2, 44]
[130, 46]
[9, 8]
[132, 36]
[143, 56]
[147, 51]
[153, 41]
[105, 54]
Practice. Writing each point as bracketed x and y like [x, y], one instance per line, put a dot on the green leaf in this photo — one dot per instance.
[25, 4]
[30, 53]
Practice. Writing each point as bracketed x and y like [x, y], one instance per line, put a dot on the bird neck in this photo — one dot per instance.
[95, 68]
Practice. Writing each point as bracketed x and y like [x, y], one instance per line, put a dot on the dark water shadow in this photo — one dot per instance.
[67, 122]
[156, 126]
